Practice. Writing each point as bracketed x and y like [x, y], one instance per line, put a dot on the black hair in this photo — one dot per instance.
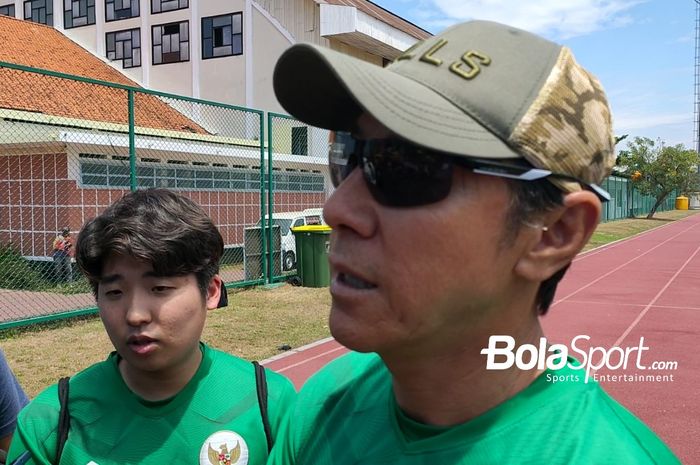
[157, 226]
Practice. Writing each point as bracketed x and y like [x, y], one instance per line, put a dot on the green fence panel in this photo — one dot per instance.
[627, 202]
[71, 146]
[299, 185]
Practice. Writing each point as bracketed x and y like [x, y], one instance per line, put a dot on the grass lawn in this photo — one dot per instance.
[256, 323]
[616, 230]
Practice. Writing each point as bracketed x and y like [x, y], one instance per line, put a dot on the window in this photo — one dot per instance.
[78, 13]
[125, 46]
[171, 43]
[39, 11]
[222, 35]
[160, 6]
[7, 10]
[109, 173]
[300, 140]
[121, 9]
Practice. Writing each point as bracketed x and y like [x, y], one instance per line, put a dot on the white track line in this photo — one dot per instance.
[646, 309]
[622, 266]
[622, 304]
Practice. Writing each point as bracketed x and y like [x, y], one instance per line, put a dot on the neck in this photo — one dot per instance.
[160, 384]
[454, 386]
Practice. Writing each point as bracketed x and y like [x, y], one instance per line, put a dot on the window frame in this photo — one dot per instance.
[48, 5]
[8, 6]
[160, 2]
[160, 44]
[87, 14]
[124, 58]
[131, 8]
[212, 38]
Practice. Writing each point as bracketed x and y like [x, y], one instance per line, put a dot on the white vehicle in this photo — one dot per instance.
[288, 220]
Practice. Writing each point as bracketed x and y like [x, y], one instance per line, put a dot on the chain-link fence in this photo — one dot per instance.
[298, 171]
[71, 146]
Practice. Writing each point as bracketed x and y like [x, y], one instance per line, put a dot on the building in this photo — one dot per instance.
[220, 50]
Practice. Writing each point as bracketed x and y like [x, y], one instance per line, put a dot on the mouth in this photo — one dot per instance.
[141, 344]
[355, 282]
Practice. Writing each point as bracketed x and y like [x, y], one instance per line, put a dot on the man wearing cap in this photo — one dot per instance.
[479, 154]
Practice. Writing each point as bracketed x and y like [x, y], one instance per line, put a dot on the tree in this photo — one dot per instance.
[657, 169]
[619, 139]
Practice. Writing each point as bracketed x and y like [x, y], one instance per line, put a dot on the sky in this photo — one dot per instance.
[642, 51]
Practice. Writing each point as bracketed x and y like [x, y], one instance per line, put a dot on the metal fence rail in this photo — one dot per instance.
[70, 146]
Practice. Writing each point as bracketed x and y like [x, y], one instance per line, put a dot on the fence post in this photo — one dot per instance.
[132, 143]
[263, 220]
[270, 201]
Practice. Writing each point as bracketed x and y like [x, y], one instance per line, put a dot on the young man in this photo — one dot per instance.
[12, 399]
[478, 154]
[163, 396]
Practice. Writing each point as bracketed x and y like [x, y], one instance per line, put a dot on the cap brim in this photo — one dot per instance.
[327, 89]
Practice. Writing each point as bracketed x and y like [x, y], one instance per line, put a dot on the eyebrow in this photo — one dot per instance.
[117, 277]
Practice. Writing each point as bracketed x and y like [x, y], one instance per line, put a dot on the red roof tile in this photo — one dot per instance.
[38, 46]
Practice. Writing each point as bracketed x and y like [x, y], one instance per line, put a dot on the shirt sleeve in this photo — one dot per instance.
[12, 398]
[35, 435]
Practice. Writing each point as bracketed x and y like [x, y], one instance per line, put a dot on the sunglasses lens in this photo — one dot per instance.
[400, 174]
[341, 156]
[397, 173]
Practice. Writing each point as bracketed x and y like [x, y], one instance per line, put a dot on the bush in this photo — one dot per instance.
[15, 271]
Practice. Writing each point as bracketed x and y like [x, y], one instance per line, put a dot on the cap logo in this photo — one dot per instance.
[472, 59]
[467, 59]
[427, 57]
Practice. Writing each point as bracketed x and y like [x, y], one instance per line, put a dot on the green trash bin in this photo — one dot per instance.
[312, 244]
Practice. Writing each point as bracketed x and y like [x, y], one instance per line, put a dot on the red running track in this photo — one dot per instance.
[646, 286]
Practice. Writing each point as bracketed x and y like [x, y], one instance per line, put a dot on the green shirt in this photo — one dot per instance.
[215, 416]
[347, 414]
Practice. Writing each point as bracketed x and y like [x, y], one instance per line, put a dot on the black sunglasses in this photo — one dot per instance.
[399, 173]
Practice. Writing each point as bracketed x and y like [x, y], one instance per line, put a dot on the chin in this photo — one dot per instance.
[355, 337]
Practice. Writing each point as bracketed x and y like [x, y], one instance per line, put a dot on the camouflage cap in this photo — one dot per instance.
[479, 89]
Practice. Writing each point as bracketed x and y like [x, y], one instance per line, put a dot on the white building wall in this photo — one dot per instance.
[223, 79]
[175, 78]
[270, 42]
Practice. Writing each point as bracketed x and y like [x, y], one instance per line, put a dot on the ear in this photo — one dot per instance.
[566, 231]
[214, 292]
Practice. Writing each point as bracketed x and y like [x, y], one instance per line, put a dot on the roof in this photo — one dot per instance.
[383, 15]
[38, 46]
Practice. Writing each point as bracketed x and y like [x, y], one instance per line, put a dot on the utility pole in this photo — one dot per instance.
[696, 129]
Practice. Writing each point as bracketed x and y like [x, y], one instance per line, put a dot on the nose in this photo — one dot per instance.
[138, 311]
[351, 206]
